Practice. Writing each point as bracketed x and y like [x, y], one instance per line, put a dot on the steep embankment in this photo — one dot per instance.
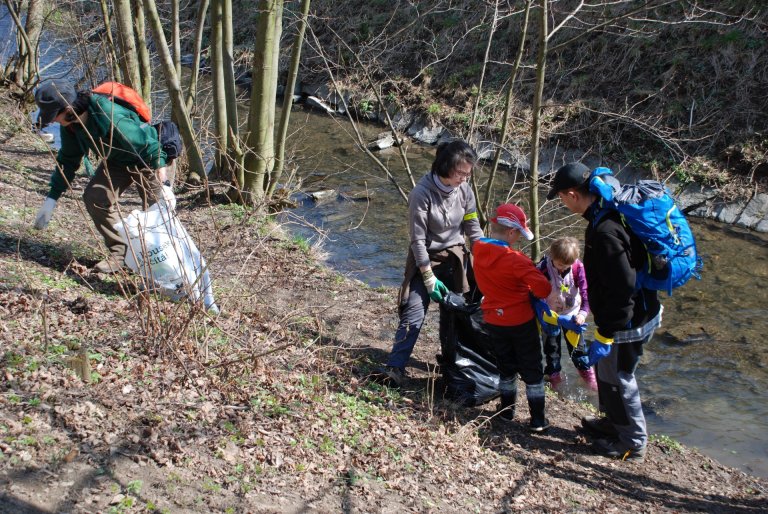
[267, 407]
[674, 90]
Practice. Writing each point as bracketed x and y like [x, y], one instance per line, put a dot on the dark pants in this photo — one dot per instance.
[553, 352]
[518, 350]
[414, 311]
[104, 189]
[619, 393]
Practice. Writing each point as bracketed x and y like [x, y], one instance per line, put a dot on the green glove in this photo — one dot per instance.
[435, 287]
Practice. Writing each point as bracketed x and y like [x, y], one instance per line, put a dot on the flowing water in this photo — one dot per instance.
[703, 377]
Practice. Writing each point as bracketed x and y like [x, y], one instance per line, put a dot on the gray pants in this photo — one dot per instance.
[101, 195]
[619, 393]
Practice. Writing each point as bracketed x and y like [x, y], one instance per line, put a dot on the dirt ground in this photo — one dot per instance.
[114, 402]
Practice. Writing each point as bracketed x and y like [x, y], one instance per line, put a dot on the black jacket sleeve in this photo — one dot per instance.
[616, 279]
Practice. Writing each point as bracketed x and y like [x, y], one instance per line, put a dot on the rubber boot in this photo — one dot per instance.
[508, 390]
[535, 395]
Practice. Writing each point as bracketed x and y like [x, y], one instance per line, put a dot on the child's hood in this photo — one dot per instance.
[489, 251]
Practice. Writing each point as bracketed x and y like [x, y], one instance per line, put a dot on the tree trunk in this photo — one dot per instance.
[217, 82]
[192, 89]
[234, 154]
[111, 50]
[541, 62]
[282, 133]
[23, 46]
[33, 27]
[145, 63]
[260, 158]
[176, 36]
[128, 57]
[505, 117]
[194, 156]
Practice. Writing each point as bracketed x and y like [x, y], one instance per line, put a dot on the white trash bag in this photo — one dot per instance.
[161, 251]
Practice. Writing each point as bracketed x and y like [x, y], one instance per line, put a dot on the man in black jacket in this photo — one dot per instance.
[625, 317]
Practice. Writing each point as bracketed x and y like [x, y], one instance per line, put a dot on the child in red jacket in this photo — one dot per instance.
[507, 278]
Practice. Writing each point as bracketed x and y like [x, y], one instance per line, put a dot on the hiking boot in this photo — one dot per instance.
[390, 376]
[599, 426]
[588, 375]
[617, 450]
[111, 264]
[506, 414]
[538, 425]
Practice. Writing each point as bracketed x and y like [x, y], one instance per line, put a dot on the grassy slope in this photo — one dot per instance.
[185, 413]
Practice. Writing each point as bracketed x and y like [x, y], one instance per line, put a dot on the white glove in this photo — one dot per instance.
[45, 213]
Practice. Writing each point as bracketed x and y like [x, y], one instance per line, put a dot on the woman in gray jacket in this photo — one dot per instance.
[441, 213]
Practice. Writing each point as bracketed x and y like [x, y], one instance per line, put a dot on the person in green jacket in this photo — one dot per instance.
[130, 153]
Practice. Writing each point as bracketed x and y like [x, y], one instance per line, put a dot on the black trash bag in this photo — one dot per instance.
[467, 364]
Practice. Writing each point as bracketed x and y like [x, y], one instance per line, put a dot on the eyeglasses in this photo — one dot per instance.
[458, 173]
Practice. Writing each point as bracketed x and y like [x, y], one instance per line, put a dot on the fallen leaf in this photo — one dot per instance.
[72, 455]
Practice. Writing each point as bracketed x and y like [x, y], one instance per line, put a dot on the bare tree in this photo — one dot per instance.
[145, 64]
[541, 62]
[126, 43]
[202, 8]
[180, 113]
[111, 51]
[505, 117]
[23, 68]
[217, 82]
[233, 147]
[285, 114]
[176, 36]
[260, 157]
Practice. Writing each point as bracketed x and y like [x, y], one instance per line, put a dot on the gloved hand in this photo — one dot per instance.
[599, 348]
[435, 287]
[571, 324]
[45, 213]
[580, 359]
[167, 198]
[547, 317]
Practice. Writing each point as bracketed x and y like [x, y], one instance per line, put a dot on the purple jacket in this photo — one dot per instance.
[569, 290]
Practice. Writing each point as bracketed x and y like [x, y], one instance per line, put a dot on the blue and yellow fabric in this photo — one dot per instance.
[546, 318]
[573, 331]
[599, 348]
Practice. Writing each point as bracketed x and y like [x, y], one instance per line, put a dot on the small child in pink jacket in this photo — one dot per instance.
[568, 298]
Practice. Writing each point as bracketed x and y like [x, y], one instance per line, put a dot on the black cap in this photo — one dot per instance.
[52, 97]
[568, 176]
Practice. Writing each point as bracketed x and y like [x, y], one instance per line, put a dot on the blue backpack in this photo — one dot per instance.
[649, 211]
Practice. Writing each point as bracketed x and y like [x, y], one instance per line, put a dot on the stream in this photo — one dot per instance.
[703, 377]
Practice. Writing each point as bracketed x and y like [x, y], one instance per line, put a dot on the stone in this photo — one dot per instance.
[424, 131]
[729, 212]
[445, 136]
[316, 103]
[383, 141]
[694, 199]
[755, 211]
[402, 120]
[324, 196]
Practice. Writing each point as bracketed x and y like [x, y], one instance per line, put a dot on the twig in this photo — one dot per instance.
[45, 323]
[258, 355]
